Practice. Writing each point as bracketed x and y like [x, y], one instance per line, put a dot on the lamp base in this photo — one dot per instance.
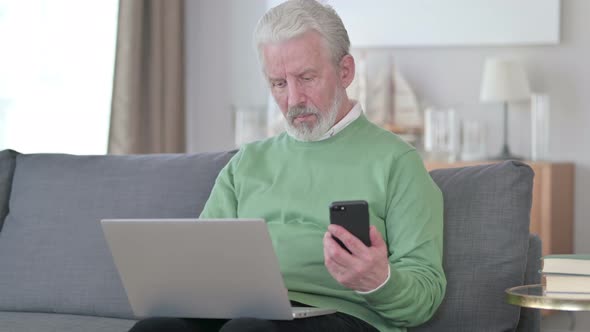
[506, 155]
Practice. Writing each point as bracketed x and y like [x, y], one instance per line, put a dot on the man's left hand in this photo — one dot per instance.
[365, 268]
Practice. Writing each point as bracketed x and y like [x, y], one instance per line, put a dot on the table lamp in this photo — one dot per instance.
[504, 81]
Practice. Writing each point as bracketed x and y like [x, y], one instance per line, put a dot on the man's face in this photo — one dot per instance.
[306, 84]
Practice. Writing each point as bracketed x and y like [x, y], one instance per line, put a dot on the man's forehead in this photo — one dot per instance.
[281, 70]
[281, 74]
[294, 56]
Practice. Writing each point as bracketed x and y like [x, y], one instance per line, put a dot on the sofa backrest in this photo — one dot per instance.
[52, 251]
[486, 242]
[54, 257]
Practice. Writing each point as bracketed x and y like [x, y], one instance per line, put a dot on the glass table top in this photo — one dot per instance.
[534, 296]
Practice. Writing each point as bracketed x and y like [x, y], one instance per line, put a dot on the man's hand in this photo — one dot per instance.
[363, 270]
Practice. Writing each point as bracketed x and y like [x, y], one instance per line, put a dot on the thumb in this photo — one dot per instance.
[376, 237]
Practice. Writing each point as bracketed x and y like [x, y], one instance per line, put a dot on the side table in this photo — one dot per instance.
[534, 296]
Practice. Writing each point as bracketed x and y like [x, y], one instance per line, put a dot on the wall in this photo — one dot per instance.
[223, 70]
[451, 76]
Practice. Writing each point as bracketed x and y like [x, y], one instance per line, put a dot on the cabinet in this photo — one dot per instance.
[552, 211]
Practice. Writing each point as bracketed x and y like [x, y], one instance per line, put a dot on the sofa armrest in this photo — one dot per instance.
[7, 166]
[530, 319]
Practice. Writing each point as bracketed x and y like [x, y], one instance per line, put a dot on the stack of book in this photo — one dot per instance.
[566, 276]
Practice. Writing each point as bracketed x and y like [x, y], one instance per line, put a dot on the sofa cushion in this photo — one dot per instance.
[7, 163]
[486, 236]
[43, 322]
[53, 253]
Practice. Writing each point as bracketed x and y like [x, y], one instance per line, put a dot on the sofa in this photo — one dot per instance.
[57, 274]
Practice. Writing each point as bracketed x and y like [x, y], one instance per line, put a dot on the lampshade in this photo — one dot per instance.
[504, 80]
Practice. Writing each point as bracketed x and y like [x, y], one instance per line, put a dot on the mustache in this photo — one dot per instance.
[296, 111]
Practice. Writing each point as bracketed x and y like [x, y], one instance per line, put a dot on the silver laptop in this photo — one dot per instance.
[196, 268]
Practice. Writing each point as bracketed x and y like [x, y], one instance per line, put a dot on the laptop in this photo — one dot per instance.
[200, 268]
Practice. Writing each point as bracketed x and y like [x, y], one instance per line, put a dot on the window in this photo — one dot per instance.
[56, 73]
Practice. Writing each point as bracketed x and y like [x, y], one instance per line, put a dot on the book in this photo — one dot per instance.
[568, 296]
[566, 283]
[567, 264]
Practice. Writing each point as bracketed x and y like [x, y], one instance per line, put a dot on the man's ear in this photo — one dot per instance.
[346, 70]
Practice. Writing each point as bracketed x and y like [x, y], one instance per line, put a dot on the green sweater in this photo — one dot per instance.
[291, 184]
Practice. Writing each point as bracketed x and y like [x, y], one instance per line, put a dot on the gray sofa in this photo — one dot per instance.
[56, 273]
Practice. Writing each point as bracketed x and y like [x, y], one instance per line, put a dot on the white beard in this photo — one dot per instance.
[308, 133]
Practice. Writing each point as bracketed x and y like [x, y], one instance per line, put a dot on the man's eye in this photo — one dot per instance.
[308, 79]
[279, 84]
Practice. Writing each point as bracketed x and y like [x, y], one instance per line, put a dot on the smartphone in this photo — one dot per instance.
[354, 216]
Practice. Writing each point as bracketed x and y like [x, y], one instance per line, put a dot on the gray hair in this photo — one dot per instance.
[295, 17]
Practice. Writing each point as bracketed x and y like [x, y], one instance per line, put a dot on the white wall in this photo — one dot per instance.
[223, 70]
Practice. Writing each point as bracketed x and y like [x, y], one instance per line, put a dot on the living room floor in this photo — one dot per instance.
[560, 322]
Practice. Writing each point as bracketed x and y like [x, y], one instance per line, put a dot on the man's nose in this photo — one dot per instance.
[296, 95]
